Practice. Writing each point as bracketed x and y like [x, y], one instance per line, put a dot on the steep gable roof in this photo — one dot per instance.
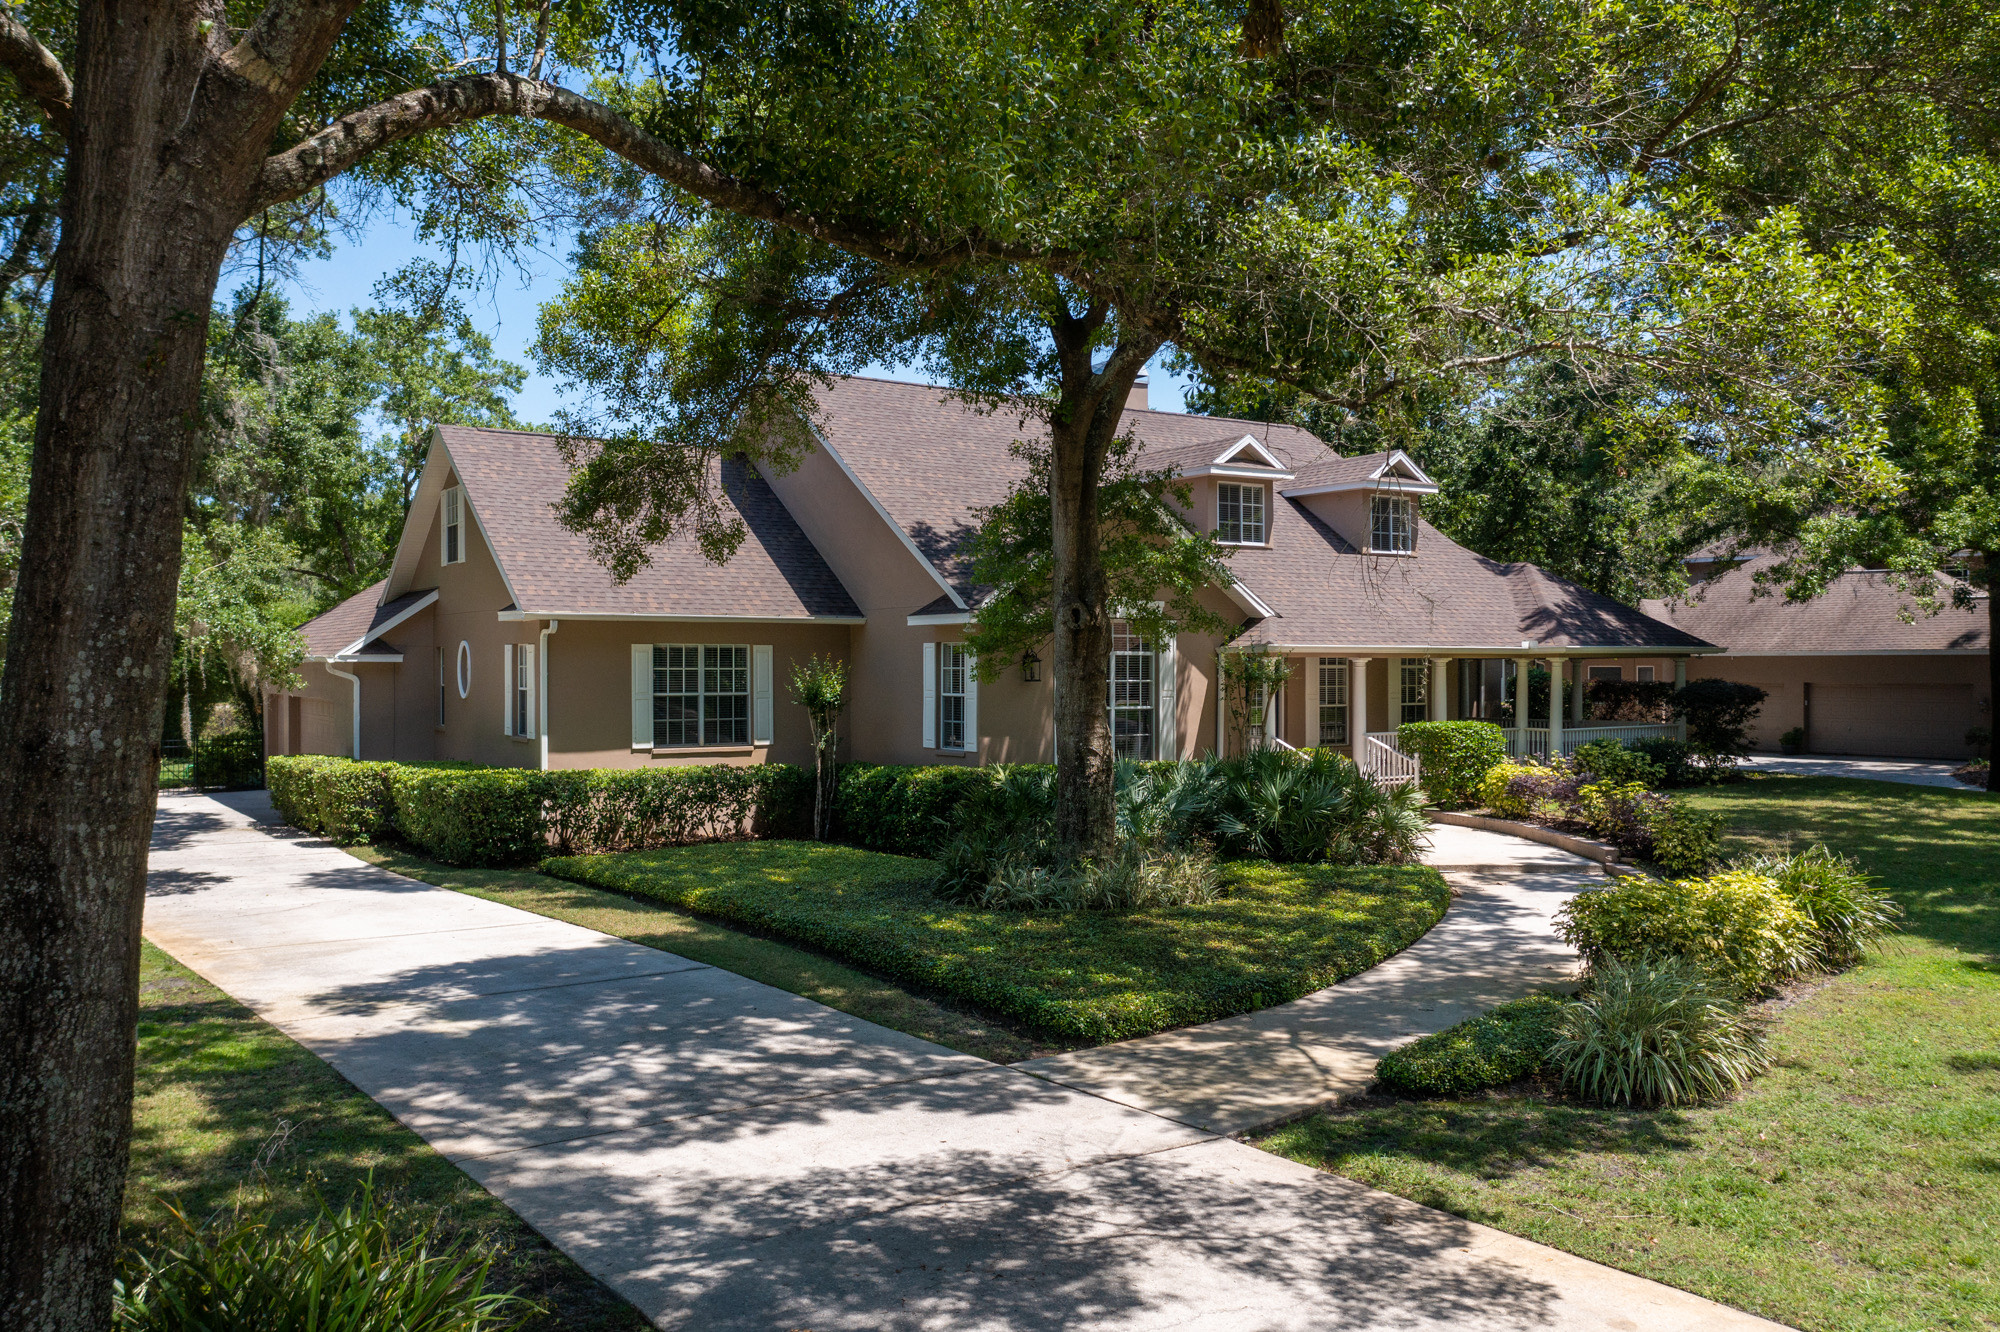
[1862, 611]
[511, 477]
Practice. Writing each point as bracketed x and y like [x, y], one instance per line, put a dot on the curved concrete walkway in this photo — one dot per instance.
[1495, 943]
[730, 1156]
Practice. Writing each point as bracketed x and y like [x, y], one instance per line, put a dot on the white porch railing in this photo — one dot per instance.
[1383, 761]
[1574, 739]
[1528, 741]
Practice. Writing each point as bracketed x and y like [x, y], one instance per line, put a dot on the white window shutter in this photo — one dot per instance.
[971, 704]
[1312, 703]
[760, 694]
[930, 696]
[1166, 701]
[527, 664]
[506, 689]
[642, 696]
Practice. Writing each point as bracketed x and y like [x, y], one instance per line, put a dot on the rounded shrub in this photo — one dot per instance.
[469, 816]
[1455, 756]
[1739, 926]
[1656, 1031]
[1847, 912]
[1490, 1050]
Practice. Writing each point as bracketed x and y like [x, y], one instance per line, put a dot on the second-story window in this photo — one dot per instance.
[1239, 515]
[1392, 523]
[454, 526]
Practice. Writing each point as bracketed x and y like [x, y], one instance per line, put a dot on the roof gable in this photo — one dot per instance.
[1860, 612]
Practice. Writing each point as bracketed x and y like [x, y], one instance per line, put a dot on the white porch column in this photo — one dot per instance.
[1680, 683]
[1521, 706]
[1440, 704]
[1357, 708]
[1555, 707]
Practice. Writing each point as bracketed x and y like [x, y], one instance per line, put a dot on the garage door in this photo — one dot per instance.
[1897, 721]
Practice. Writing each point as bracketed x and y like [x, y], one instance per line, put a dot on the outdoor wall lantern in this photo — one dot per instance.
[1031, 666]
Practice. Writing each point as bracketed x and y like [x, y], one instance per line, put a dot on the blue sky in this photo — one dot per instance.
[505, 310]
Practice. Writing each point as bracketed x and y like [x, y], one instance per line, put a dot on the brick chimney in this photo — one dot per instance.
[1137, 400]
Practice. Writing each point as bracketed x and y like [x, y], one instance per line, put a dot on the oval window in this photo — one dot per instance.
[464, 668]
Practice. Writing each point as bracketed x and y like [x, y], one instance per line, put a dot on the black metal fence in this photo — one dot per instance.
[219, 763]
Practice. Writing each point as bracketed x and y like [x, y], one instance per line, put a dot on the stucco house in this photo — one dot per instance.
[1856, 667]
[497, 638]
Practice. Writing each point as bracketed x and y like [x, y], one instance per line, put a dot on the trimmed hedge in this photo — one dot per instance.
[1456, 756]
[465, 814]
[1278, 932]
[1491, 1050]
[904, 810]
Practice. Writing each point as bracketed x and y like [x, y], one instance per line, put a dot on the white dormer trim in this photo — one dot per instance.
[1398, 472]
[1269, 466]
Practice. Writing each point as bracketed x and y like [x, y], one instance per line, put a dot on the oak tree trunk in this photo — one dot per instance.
[147, 213]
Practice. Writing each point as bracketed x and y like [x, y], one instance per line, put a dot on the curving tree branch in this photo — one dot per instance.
[39, 73]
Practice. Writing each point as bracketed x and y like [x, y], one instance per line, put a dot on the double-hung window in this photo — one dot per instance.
[524, 691]
[1134, 710]
[1333, 701]
[454, 525]
[1239, 514]
[1414, 694]
[701, 694]
[954, 668]
[1392, 521]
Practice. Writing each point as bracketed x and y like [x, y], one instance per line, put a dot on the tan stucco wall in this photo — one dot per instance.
[1784, 680]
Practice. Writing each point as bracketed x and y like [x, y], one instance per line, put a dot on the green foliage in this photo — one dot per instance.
[1685, 838]
[1251, 682]
[1673, 758]
[1456, 756]
[1794, 738]
[1718, 714]
[903, 809]
[819, 685]
[1318, 807]
[229, 761]
[1499, 792]
[1274, 934]
[1847, 911]
[1738, 925]
[1611, 761]
[363, 1268]
[461, 814]
[1656, 1030]
[1491, 1050]
[468, 815]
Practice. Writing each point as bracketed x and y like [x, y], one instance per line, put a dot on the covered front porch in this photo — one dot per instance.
[1349, 701]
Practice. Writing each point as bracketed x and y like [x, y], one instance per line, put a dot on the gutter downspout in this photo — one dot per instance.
[542, 685]
[354, 712]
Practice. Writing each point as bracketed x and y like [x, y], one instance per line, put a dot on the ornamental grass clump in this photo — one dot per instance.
[362, 1268]
[1848, 913]
[1738, 926]
[1656, 1031]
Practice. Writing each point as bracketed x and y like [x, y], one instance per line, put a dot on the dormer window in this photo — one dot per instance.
[1392, 521]
[1239, 514]
[454, 526]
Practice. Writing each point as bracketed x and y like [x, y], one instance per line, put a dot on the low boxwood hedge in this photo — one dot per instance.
[1279, 931]
[905, 810]
[1490, 1050]
[1456, 756]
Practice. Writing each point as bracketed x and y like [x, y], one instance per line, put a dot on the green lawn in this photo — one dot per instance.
[1857, 1185]
[1087, 977]
[218, 1089]
[778, 964]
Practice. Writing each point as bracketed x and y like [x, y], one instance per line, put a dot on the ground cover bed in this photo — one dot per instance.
[1855, 1185]
[1278, 932]
[228, 1111]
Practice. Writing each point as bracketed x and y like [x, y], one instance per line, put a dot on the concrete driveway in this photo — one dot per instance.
[726, 1155]
[1911, 772]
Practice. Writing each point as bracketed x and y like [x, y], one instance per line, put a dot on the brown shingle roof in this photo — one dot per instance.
[1861, 612]
[357, 621]
[512, 476]
[931, 461]
[1328, 594]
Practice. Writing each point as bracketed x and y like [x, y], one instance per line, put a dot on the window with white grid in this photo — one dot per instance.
[1392, 523]
[1415, 692]
[1133, 709]
[1333, 701]
[701, 694]
[454, 526]
[524, 691]
[1239, 515]
[954, 665]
